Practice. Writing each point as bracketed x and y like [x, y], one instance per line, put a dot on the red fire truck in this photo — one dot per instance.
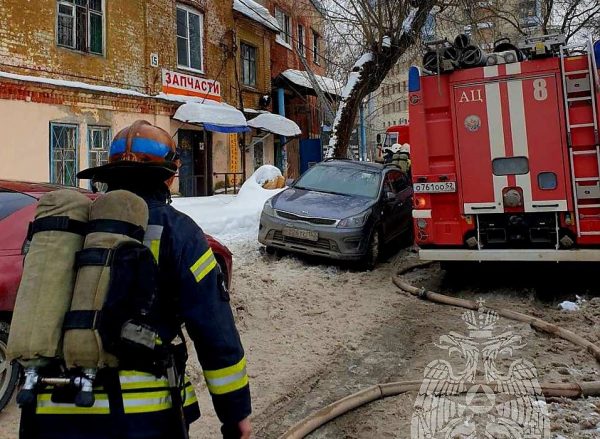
[506, 159]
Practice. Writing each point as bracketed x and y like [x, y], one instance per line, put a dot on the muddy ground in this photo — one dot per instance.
[315, 333]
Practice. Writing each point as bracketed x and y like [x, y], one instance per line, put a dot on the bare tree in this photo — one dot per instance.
[382, 30]
[571, 18]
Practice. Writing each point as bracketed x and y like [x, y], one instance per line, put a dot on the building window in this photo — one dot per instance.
[285, 35]
[63, 154]
[316, 42]
[79, 25]
[248, 61]
[301, 44]
[98, 145]
[189, 38]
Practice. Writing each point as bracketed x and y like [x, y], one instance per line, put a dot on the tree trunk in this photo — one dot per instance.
[368, 74]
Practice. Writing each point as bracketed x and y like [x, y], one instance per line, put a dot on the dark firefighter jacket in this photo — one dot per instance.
[193, 292]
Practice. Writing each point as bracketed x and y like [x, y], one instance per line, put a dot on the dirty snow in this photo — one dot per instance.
[256, 12]
[213, 113]
[300, 78]
[275, 124]
[232, 218]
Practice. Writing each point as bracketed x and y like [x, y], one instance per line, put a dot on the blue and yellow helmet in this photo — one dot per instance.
[139, 151]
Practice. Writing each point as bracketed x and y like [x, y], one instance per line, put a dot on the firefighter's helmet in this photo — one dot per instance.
[404, 148]
[139, 151]
[394, 148]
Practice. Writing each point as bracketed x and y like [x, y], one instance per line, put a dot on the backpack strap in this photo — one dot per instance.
[94, 257]
[82, 319]
[119, 227]
[56, 223]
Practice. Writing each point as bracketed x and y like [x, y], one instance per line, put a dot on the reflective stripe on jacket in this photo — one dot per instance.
[142, 393]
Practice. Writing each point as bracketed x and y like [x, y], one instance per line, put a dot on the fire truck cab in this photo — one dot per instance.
[506, 160]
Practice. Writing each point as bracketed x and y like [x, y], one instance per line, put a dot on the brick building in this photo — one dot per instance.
[74, 72]
[301, 25]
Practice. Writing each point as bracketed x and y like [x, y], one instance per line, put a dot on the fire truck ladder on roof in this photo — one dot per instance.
[579, 85]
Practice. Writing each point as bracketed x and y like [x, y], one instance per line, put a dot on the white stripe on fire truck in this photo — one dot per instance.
[496, 134]
[516, 105]
[490, 71]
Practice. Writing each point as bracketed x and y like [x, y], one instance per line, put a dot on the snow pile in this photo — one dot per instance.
[72, 84]
[367, 57]
[301, 78]
[572, 306]
[212, 113]
[256, 12]
[276, 124]
[568, 306]
[232, 217]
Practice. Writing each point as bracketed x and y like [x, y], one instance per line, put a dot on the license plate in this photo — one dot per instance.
[308, 235]
[433, 188]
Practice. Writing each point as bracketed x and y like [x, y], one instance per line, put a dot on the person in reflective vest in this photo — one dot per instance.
[137, 404]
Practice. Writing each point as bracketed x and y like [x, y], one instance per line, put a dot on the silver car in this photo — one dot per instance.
[340, 209]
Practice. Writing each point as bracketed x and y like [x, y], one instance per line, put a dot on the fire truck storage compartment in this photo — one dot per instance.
[525, 230]
[510, 136]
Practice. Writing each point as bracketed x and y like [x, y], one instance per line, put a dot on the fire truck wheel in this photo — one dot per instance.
[9, 373]
[370, 259]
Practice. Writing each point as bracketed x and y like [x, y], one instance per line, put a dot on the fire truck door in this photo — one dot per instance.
[510, 137]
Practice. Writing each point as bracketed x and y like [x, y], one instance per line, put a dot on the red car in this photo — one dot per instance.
[18, 201]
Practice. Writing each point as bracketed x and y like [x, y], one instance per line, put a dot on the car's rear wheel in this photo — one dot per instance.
[371, 258]
[9, 373]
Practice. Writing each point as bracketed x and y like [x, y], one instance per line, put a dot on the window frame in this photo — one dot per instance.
[88, 35]
[51, 152]
[189, 10]
[506, 160]
[301, 39]
[247, 84]
[285, 36]
[315, 42]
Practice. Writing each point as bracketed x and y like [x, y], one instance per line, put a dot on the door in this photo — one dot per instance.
[397, 204]
[509, 137]
[310, 153]
[195, 173]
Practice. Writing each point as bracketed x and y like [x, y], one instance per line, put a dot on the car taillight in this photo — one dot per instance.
[420, 202]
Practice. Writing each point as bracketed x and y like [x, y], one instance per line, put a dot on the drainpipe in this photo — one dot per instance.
[362, 150]
[282, 139]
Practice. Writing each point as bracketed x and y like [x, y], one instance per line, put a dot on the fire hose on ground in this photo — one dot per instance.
[379, 391]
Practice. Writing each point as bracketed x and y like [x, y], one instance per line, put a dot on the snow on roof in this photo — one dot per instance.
[256, 12]
[300, 78]
[72, 84]
[212, 113]
[276, 124]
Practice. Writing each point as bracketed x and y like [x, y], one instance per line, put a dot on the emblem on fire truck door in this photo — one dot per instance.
[486, 399]
[472, 123]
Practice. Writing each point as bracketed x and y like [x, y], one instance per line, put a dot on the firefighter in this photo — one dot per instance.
[401, 158]
[193, 292]
[389, 152]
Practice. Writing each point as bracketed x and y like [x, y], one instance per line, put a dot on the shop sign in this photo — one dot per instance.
[181, 84]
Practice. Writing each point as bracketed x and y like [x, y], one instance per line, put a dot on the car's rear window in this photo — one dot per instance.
[10, 202]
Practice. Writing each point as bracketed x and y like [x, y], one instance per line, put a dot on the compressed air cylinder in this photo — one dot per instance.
[83, 347]
[46, 287]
